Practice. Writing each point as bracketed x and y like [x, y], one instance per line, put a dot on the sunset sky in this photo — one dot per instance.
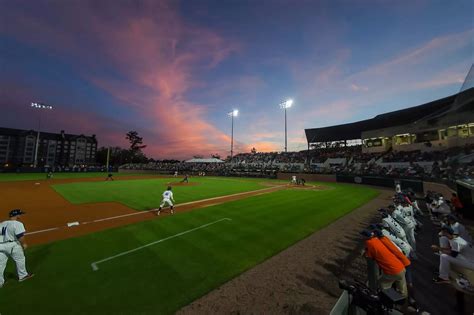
[171, 70]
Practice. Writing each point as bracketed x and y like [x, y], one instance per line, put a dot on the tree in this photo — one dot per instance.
[136, 142]
[136, 146]
[118, 156]
[253, 151]
[216, 156]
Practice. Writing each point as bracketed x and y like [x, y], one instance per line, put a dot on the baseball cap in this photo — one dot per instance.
[366, 233]
[377, 232]
[447, 229]
[452, 217]
[16, 212]
[375, 226]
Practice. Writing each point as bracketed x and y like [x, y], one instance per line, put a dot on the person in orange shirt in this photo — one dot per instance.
[393, 270]
[398, 253]
[457, 204]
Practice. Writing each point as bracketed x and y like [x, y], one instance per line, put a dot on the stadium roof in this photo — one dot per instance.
[396, 118]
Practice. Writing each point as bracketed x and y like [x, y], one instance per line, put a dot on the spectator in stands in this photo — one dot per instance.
[393, 270]
[460, 253]
[457, 205]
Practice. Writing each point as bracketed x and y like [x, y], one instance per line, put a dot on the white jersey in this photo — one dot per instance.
[458, 244]
[460, 230]
[416, 208]
[395, 227]
[399, 216]
[167, 195]
[398, 188]
[404, 247]
[11, 230]
[409, 214]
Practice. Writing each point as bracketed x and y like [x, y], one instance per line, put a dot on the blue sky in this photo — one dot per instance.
[172, 69]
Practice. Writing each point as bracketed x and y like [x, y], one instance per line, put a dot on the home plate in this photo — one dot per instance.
[72, 224]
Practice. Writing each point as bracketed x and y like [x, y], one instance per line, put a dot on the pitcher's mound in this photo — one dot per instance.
[181, 184]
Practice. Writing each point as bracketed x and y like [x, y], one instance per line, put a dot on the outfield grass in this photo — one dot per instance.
[162, 278]
[145, 194]
[11, 177]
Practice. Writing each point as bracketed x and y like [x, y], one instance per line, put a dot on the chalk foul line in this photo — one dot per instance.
[95, 264]
[177, 206]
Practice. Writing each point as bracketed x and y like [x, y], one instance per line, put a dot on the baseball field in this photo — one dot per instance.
[116, 257]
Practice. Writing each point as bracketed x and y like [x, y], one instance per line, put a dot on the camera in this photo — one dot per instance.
[372, 303]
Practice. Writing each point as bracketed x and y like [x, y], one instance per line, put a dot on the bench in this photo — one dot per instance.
[460, 292]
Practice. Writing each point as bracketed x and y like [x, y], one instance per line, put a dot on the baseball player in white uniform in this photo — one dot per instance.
[167, 200]
[393, 225]
[12, 244]
[293, 179]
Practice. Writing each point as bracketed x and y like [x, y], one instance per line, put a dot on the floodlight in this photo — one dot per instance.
[233, 113]
[285, 105]
[39, 106]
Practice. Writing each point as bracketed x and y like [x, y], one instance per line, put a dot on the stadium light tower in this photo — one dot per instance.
[285, 105]
[232, 114]
[40, 107]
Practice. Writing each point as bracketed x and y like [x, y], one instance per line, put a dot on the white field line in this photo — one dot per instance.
[95, 267]
[261, 192]
[41, 231]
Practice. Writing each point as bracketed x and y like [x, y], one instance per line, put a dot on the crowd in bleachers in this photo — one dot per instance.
[392, 244]
[351, 160]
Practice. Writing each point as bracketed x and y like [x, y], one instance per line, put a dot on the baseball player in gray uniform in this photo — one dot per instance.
[12, 244]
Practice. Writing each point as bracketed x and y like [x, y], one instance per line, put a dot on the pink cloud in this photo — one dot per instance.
[157, 55]
[357, 88]
[263, 146]
[441, 80]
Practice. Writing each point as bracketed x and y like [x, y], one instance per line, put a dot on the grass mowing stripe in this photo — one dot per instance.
[146, 193]
[95, 267]
[172, 275]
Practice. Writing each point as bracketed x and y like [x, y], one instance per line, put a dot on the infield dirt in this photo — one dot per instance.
[48, 213]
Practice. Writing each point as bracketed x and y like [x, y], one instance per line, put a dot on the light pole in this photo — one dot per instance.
[232, 114]
[40, 107]
[285, 105]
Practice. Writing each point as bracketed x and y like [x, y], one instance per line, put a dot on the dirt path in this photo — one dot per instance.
[48, 213]
[303, 278]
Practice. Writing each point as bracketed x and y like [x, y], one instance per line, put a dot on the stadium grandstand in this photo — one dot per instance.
[437, 125]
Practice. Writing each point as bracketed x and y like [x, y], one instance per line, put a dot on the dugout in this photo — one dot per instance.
[415, 184]
[465, 191]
